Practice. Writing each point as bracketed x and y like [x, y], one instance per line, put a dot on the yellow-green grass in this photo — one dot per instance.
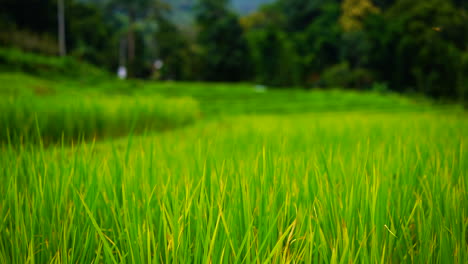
[330, 188]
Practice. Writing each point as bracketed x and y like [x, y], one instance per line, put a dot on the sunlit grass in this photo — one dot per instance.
[329, 188]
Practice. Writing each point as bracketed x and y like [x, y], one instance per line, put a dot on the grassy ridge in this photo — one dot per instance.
[312, 188]
[32, 108]
[69, 118]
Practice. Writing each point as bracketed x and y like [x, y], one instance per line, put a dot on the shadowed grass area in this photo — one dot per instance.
[336, 187]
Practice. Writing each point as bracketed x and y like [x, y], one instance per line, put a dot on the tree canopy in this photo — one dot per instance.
[402, 45]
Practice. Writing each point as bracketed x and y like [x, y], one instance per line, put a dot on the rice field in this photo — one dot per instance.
[240, 176]
[324, 188]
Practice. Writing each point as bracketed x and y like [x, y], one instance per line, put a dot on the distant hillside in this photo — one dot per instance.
[183, 10]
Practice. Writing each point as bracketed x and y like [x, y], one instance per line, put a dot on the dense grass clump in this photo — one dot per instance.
[71, 118]
[329, 188]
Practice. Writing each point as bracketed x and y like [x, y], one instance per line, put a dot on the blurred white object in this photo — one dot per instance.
[260, 88]
[158, 64]
[122, 72]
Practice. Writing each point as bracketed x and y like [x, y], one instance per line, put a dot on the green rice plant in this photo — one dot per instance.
[71, 118]
[311, 188]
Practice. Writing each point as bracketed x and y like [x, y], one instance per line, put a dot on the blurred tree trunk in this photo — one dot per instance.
[61, 27]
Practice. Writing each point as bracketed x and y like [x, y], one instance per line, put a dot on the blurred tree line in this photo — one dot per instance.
[400, 45]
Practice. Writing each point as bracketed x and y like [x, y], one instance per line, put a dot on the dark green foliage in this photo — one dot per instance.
[275, 59]
[47, 66]
[273, 51]
[384, 4]
[410, 46]
[342, 75]
[420, 46]
[43, 43]
[356, 48]
[35, 15]
[319, 44]
[91, 37]
[176, 52]
[21, 27]
[225, 53]
[136, 23]
[300, 13]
